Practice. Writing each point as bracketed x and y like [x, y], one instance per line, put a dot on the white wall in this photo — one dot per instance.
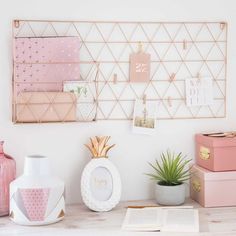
[64, 142]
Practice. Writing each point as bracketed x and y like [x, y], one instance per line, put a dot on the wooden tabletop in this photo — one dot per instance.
[80, 220]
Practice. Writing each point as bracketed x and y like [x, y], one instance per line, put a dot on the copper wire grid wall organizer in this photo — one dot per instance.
[179, 50]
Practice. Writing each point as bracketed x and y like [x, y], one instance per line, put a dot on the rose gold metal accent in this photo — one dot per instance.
[222, 25]
[62, 214]
[115, 78]
[16, 23]
[184, 45]
[144, 99]
[172, 77]
[140, 47]
[118, 61]
[120, 22]
[169, 101]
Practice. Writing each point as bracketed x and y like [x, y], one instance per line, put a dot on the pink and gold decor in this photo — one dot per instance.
[37, 197]
[7, 174]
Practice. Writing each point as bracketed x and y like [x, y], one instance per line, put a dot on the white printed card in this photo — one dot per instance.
[199, 91]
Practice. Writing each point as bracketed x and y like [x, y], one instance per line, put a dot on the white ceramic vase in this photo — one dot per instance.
[170, 195]
[37, 197]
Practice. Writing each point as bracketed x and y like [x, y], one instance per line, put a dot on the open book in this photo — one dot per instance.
[164, 219]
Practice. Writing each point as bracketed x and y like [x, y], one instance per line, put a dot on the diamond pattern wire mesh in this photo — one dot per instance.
[179, 50]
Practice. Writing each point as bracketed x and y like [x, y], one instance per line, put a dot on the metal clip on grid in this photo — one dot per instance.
[169, 101]
[115, 78]
[144, 99]
[172, 77]
[222, 25]
[184, 44]
[140, 47]
[16, 23]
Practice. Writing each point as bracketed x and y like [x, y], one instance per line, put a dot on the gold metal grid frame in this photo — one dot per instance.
[179, 50]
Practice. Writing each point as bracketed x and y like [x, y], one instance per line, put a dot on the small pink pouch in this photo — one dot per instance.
[45, 107]
[213, 189]
[216, 153]
[42, 64]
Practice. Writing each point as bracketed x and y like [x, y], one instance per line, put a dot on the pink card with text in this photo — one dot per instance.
[140, 67]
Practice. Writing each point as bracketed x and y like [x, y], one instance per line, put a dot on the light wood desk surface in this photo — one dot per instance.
[80, 220]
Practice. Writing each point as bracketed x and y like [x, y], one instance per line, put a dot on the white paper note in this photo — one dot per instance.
[199, 91]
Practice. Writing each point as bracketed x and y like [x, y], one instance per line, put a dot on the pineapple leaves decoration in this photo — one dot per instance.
[98, 146]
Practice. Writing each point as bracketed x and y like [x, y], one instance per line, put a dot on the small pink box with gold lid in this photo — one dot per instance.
[216, 152]
[213, 189]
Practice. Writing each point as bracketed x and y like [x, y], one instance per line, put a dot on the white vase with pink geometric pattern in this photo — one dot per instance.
[37, 197]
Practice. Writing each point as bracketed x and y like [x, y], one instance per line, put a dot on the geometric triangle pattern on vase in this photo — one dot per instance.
[35, 202]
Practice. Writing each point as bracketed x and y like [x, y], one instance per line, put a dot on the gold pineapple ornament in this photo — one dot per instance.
[100, 181]
[98, 146]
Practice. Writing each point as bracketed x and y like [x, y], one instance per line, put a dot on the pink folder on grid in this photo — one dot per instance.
[42, 64]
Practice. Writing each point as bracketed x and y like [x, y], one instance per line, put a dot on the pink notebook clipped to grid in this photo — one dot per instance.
[42, 64]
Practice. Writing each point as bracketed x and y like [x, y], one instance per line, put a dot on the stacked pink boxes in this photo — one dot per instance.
[213, 178]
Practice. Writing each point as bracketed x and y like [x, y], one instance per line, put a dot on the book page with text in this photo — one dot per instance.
[180, 220]
[146, 219]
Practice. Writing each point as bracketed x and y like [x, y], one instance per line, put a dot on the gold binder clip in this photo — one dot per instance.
[184, 44]
[169, 101]
[115, 78]
[144, 99]
[172, 77]
[16, 23]
[140, 47]
[222, 25]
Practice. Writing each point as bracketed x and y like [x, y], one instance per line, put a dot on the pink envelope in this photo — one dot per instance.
[32, 58]
[45, 107]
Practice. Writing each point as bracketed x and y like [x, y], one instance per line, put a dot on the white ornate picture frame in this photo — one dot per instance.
[100, 185]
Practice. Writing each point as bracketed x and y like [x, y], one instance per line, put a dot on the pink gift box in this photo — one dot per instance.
[213, 189]
[216, 153]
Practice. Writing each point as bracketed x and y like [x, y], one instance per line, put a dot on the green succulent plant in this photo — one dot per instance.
[171, 169]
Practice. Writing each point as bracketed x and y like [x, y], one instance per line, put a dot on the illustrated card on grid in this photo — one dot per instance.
[86, 95]
[83, 90]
